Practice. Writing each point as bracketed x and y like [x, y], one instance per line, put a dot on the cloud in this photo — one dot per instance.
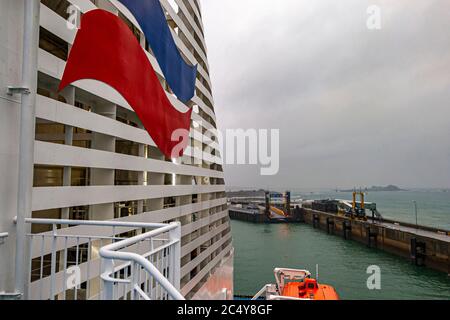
[354, 106]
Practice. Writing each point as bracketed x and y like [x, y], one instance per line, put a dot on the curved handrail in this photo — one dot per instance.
[274, 297]
[150, 268]
[127, 242]
[261, 292]
[72, 236]
[111, 252]
[107, 223]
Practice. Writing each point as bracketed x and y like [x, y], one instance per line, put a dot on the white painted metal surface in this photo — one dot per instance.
[3, 236]
[195, 197]
[27, 130]
[92, 260]
[154, 274]
[282, 276]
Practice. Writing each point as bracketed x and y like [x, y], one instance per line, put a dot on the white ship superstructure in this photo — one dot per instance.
[94, 164]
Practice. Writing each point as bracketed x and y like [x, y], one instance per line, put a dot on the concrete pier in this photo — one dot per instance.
[259, 217]
[424, 246]
[247, 215]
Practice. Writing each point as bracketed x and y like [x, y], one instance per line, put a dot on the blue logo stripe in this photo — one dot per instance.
[151, 18]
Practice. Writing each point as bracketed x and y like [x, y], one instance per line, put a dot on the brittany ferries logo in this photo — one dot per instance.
[106, 50]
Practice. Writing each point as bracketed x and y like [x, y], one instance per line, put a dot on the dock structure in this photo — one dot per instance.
[256, 216]
[247, 215]
[424, 246]
[272, 207]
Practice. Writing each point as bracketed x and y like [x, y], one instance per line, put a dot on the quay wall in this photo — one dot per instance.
[420, 249]
[245, 215]
[248, 217]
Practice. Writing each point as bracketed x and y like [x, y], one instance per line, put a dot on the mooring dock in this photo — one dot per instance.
[418, 232]
[424, 246]
[257, 217]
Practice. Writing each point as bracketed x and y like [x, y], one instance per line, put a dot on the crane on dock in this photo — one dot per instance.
[280, 210]
[275, 211]
[357, 209]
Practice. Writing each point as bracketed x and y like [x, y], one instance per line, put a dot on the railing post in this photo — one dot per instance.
[225, 294]
[26, 146]
[134, 281]
[175, 235]
[108, 286]
[53, 262]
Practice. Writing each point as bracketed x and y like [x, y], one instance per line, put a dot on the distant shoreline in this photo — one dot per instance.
[246, 193]
[390, 188]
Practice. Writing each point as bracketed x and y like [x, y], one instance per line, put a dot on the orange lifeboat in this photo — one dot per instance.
[294, 284]
[309, 289]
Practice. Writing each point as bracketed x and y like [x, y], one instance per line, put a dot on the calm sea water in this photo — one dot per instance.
[433, 206]
[259, 248]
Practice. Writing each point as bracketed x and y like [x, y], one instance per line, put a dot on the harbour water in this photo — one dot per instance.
[433, 206]
[259, 248]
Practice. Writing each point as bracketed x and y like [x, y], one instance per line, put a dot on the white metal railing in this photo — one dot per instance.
[154, 275]
[3, 235]
[79, 260]
[275, 297]
[263, 292]
[270, 292]
[282, 276]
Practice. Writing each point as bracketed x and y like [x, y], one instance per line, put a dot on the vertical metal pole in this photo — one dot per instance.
[107, 268]
[317, 272]
[53, 262]
[175, 235]
[27, 128]
[133, 280]
[69, 95]
[415, 210]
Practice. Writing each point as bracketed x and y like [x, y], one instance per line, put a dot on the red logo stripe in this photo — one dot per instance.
[106, 50]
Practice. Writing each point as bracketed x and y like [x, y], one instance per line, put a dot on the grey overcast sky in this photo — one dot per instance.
[356, 107]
